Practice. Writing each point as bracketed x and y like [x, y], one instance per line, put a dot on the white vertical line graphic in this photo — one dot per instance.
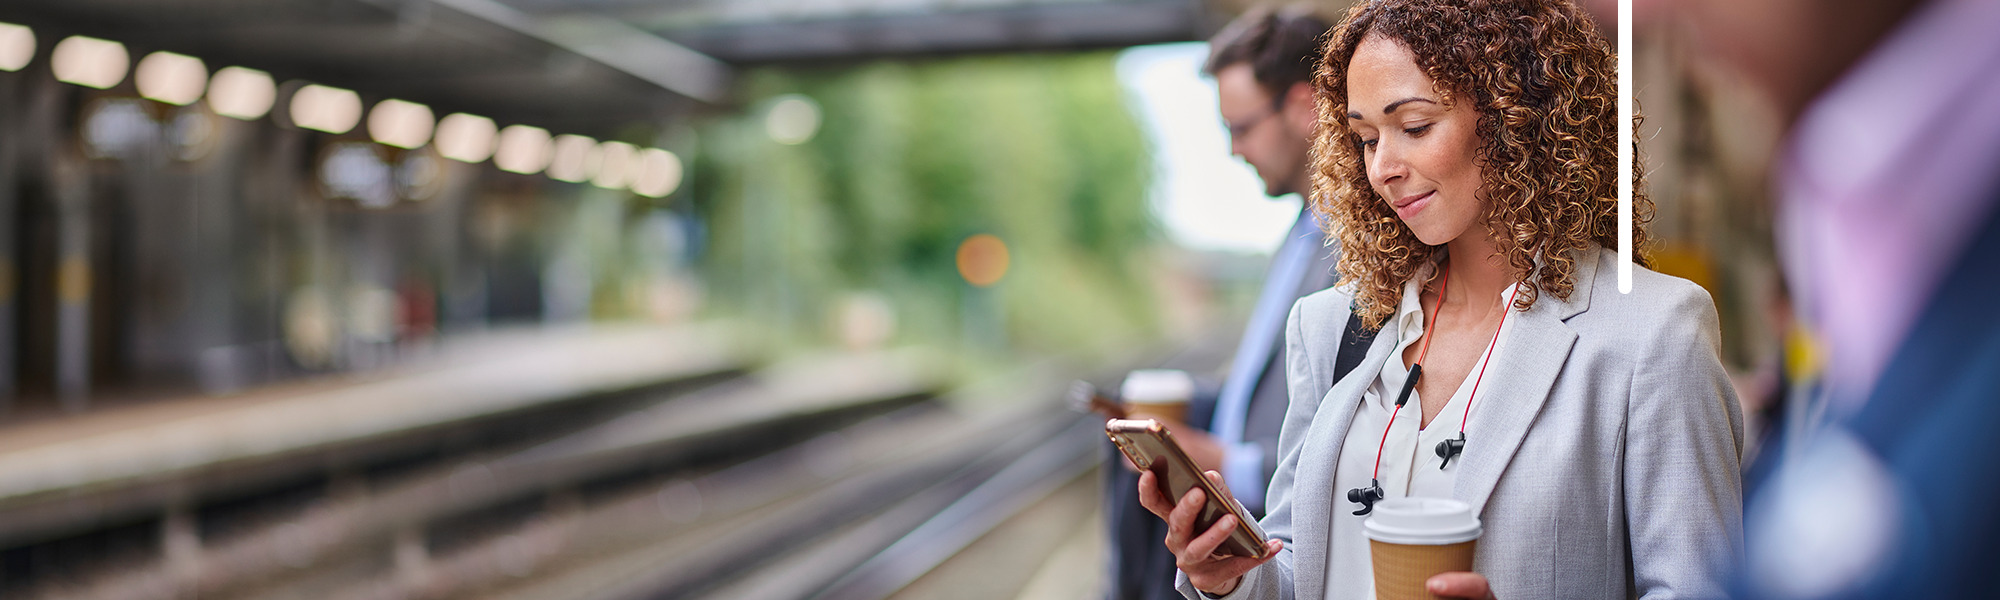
[1625, 144]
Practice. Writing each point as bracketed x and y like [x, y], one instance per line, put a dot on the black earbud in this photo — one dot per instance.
[1450, 449]
[1366, 497]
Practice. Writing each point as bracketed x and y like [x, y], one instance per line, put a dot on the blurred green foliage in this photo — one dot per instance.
[913, 157]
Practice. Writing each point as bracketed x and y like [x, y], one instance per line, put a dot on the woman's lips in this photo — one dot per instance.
[1409, 207]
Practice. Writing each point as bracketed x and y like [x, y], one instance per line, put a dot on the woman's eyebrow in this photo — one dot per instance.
[1391, 108]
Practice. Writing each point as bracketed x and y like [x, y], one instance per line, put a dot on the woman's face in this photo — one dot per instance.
[1421, 154]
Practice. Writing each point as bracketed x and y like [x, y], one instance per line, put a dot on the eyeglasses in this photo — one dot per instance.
[1239, 131]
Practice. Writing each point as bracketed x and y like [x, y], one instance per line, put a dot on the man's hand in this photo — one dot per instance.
[1195, 554]
[1460, 584]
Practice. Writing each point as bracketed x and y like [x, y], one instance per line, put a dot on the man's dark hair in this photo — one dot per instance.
[1281, 45]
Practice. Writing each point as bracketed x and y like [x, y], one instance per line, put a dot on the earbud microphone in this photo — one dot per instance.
[1366, 497]
[1450, 449]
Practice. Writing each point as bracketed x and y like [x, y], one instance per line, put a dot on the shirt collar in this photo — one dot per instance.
[1885, 177]
[1410, 317]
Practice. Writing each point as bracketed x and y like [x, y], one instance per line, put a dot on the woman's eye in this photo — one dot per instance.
[1418, 130]
[1367, 144]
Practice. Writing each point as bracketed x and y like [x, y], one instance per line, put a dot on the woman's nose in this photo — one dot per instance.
[1386, 165]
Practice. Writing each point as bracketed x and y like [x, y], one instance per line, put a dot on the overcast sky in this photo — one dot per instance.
[1206, 198]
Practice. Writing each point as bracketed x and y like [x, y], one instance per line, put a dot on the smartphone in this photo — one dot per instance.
[1152, 448]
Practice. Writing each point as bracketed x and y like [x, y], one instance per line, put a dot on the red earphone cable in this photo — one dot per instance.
[1443, 280]
[1482, 366]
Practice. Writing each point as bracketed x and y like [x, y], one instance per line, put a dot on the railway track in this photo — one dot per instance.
[837, 477]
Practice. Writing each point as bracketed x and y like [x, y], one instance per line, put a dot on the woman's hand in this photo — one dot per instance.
[1460, 584]
[1195, 554]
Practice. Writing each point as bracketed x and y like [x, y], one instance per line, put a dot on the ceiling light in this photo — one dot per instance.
[90, 62]
[523, 149]
[17, 46]
[616, 171]
[467, 138]
[659, 173]
[576, 159]
[400, 123]
[176, 79]
[241, 93]
[329, 109]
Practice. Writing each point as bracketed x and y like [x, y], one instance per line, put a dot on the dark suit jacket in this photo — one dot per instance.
[1929, 422]
[1141, 566]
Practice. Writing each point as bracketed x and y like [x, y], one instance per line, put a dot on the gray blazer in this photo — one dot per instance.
[1603, 462]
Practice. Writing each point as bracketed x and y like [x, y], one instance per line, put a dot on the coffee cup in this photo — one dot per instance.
[1412, 539]
[1157, 393]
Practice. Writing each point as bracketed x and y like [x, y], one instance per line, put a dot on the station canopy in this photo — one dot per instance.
[588, 65]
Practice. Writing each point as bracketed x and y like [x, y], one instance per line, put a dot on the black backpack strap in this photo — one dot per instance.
[1354, 345]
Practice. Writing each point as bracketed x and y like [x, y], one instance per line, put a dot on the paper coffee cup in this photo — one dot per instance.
[1162, 393]
[1411, 539]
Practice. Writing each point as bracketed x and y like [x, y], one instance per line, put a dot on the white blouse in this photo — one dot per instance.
[1410, 464]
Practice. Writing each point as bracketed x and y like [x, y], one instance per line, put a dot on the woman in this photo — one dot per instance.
[1467, 160]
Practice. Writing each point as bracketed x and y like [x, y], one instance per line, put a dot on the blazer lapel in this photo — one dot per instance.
[1536, 349]
[1324, 440]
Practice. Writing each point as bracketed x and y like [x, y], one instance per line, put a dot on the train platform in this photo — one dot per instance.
[55, 472]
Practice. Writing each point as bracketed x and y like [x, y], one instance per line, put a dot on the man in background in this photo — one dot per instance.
[1262, 64]
[1890, 240]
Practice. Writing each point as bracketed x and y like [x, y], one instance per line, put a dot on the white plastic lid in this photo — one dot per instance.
[1422, 521]
[1157, 386]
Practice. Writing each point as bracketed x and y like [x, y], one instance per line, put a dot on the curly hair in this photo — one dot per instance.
[1544, 83]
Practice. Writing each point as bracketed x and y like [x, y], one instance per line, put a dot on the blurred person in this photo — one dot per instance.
[1889, 236]
[1467, 159]
[1262, 64]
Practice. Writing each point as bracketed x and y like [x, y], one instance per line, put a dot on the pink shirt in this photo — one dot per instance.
[1886, 179]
